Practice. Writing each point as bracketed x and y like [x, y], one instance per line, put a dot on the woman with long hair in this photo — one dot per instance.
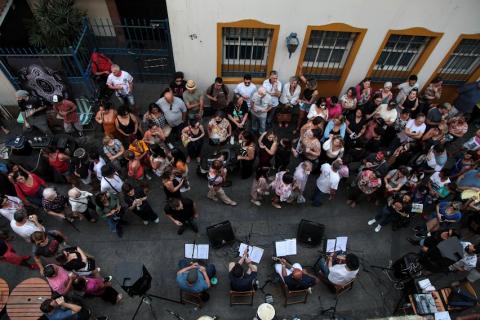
[247, 154]
[268, 145]
[307, 98]
[106, 117]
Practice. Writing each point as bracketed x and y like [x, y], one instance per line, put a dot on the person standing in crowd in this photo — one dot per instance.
[241, 280]
[247, 154]
[56, 205]
[327, 182]
[67, 111]
[111, 181]
[178, 85]
[217, 176]
[127, 125]
[9, 205]
[433, 92]
[46, 245]
[192, 139]
[246, 89]
[159, 160]
[59, 280]
[33, 111]
[288, 100]
[25, 225]
[80, 203]
[268, 145]
[260, 188]
[219, 129]
[174, 110]
[217, 95]
[155, 116]
[308, 97]
[101, 68]
[106, 117]
[97, 287]
[108, 207]
[437, 114]
[60, 163]
[467, 99]
[318, 109]
[60, 309]
[273, 88]
[364, 92]
[349, 101]
[114, 151]
[410, 102]
[135, 168]
[406, 87]
[29, 187]
[122, 82]
[137, 202]
[183, 213]
[154, 135]
[171, 185]
[193, 99]
[282, 188]
[260, 107]
[237, 113]
[301, 174]
[386, 92]
[8, 254]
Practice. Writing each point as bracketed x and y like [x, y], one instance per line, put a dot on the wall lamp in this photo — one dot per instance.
[292, 43]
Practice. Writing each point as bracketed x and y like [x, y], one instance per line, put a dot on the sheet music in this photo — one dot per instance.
[331, 245]
[200, 252]
[255, 253]
[442, 315]
[337, 244]
[341, 244]
[286, 247]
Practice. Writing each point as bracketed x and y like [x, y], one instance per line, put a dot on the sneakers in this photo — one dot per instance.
[145, 222]
[156, 220]
[108, 279]
[370, 222]
[378, 228]
[232, 203]
[184, 189]
[276, 205]
[213, 198]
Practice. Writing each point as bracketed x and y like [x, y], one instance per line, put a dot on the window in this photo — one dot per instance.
[403, 53]
[462, 62]
[328, 53]
[246, 47]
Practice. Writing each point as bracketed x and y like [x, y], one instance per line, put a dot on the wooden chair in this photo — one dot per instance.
[293, 296]
[4, 293]
[445, 293]
[334, 288]
[241, 297]
[192, 298]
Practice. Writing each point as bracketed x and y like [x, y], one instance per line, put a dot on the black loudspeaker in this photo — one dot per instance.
[134, 278]
[310, 232]
[220, 234]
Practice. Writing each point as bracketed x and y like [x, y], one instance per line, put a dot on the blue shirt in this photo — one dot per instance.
[62, 314]
[199, 286]
[455, 216]
[470, 179]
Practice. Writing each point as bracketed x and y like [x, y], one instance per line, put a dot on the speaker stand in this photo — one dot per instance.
[332, 311]
[148, 299]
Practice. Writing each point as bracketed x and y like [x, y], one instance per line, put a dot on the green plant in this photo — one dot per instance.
[55, 24]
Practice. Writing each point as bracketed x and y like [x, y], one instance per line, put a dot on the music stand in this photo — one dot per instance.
[332, 311]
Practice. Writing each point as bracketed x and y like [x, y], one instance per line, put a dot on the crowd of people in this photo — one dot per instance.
[394, 143]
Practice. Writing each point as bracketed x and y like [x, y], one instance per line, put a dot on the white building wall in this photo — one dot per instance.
[197, 55]
[7, 92]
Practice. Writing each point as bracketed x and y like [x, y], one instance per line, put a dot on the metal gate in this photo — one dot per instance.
[141, 47]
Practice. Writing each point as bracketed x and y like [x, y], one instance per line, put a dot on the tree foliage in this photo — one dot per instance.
[55, 24]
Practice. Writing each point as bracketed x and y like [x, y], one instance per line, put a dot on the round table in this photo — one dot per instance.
[25, 300]
[4, 291]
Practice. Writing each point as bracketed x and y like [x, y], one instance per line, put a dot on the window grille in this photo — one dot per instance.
[462, 62]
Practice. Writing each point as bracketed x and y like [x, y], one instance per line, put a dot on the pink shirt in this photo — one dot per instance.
[59, 282]
[335, 111]
[94, 286]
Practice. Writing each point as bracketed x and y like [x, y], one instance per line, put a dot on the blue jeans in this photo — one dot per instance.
[210, 268]
[128, 99]
[258, 124]
[384, 216]
[318, 196]
[112, 224]
[321, 265]
[271, 116]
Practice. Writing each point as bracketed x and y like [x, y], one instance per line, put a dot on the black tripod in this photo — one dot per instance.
[332, 311]
[147, 299]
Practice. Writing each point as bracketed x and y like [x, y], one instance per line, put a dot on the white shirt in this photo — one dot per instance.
[313, 113]
[112, 185]
[287, 97]
[14, 204]
[339, 274]
[271, 89]
[301, 176]
[437, 182]
[403, 90]
[469, 261]
[124, 80]
[80, 204]
[413, 128]
[387, 115]
[245, 91]
[261, 104]
[328, 179]
[97, 168]
[26, 230]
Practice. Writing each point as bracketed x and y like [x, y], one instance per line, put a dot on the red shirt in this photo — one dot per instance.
[23, 190]
[69, 108]
[100, 63]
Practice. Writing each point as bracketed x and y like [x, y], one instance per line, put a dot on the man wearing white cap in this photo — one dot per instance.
[33, 112]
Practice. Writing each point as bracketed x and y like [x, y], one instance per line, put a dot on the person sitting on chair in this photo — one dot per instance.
[341, 273]
[294, 276]
[194, 278]
[241, 280]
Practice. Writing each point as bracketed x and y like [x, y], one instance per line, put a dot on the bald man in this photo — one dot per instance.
[294, 276]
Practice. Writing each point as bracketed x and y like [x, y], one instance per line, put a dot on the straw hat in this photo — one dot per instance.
[191, 85]
[265, 311]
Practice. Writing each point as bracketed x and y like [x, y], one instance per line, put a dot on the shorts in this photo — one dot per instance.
[304, 106]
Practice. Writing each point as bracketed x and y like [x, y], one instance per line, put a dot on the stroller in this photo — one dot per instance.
[228, 155]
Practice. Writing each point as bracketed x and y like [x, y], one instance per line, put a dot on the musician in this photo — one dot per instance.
[33, 112]
[194, 278]
[294, 276]
[241, 280]
[341, 273]
[469, 259]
